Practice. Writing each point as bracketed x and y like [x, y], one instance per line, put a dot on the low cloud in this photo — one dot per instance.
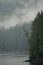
[14, 12]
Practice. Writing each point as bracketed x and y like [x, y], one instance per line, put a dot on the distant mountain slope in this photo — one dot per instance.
[13, 39]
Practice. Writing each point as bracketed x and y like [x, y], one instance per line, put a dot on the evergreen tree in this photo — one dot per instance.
[36, 43]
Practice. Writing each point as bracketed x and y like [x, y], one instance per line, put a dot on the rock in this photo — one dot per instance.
[27, 61]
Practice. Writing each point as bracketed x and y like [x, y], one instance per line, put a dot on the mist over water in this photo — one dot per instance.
[13, 59]
[14, 13]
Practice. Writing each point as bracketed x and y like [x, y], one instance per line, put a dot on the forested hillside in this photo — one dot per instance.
[13, 39]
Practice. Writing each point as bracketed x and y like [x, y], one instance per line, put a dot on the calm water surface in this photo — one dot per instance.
[13, 59]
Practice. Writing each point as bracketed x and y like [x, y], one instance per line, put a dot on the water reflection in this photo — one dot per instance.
[36, 63]
[12, 59]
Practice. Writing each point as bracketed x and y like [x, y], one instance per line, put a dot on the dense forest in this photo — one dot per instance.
[13, 39]
[36, 41]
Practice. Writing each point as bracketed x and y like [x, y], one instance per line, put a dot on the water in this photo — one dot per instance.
[13, 59]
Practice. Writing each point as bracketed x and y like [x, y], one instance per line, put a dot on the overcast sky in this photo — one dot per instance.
[14, 12]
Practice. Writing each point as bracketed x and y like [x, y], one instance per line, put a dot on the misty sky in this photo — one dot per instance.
[14, 12]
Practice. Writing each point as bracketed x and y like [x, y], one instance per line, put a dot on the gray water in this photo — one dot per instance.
[13, 59]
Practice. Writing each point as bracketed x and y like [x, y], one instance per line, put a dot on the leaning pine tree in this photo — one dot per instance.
[36, 42]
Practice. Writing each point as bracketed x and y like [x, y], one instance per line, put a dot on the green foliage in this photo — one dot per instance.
[36, 43]
[27, 31]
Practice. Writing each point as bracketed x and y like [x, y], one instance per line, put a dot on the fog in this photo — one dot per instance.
[14, 12]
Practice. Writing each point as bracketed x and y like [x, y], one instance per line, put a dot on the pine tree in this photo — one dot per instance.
[36, 43]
